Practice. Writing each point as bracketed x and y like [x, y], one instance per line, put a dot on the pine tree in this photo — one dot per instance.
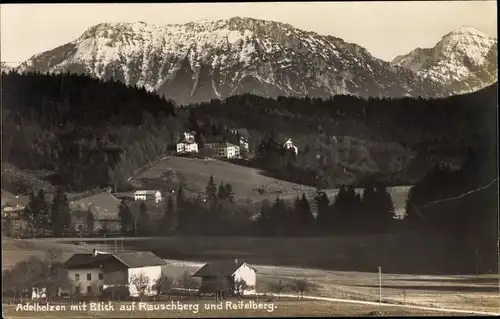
[279, 220]
[385, 209]
[222, 194]
[90, 222]
[211, 191]
[43, 222]
[31, 213]
[306, 217]
[229, 193]
[369, 210]
[181, 199]
[126, 218]
[324, 217]
[60, 217]
[143, 220]
[169, 221]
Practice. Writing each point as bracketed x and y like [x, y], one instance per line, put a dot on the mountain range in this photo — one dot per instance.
[199, 61]
[464, 60]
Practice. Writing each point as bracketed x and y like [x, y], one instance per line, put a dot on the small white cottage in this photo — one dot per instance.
[234, 270]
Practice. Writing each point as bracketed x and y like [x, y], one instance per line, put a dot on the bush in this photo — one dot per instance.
[116, 293]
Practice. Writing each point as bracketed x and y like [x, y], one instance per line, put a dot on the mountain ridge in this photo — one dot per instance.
[199, 61]
[464, 60]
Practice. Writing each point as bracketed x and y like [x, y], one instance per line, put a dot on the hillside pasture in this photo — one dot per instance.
[16, 250]
[193, 174]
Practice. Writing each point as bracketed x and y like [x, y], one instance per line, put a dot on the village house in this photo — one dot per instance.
[244, 138]
[187, 143]
[290, 145]
[148, 195]
[224, 150]
[12, 212]
[92, 273]
[103, 206]
[184, 147]
[188, 136]
[234, 270]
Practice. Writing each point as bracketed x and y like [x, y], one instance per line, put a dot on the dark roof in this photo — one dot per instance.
[243, 132]
[139, 259]
[133, 259]
[225, 268]
[104, 205]
[86, 261]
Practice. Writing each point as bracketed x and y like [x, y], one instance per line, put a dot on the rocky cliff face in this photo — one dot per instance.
[464, 60]
[215, 59]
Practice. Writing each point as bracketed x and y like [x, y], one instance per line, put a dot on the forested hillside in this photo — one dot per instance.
[91, 133]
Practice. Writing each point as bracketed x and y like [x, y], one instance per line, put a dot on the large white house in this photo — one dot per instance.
[187, 147]
[234, 270]
[148, 195]
[92, 273]
[225, 150]
[290, 145]
[244, 138]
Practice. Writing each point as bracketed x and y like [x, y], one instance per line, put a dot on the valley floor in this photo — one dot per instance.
[467, 292]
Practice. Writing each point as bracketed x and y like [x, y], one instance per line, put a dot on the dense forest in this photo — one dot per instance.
[89, 132]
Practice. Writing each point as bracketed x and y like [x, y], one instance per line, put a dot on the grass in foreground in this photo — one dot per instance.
[297, 308]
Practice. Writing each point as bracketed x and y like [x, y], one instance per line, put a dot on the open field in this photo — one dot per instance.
[22, 181]
[194, 174]
[15, 250]
[294, 308]
[470, 292]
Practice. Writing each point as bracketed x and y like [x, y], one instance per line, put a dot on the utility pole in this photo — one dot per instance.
[379, 284]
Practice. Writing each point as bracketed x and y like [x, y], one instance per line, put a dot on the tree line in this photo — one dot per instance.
[215, 213]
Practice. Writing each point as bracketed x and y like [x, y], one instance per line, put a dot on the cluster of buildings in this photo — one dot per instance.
[92, 273]
[104, 205]
[187, 144]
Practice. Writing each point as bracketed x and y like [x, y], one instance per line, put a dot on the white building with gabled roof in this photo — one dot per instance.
[290, 145]
[148, 195]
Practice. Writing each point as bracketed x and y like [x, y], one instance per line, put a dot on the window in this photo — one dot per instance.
[89, 289]
[101, 288]
[101, 276]
[77, 277]
[89, 277]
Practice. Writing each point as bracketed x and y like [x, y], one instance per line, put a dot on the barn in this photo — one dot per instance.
[234, 270]
[92, 273]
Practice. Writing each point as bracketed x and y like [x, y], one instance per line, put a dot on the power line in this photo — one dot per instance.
[460, 196]
[452, 198]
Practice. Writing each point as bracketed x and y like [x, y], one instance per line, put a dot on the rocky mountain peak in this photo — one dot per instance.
[206, 59]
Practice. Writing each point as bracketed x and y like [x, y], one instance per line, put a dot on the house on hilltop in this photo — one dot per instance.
[92, 273]
[234, 270]
[185, 146]
[244, 138]
[290, 145]
[224, 150]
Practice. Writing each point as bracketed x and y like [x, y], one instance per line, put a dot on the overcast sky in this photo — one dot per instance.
[386, 29]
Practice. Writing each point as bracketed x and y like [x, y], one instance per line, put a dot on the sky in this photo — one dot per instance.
[385, 29]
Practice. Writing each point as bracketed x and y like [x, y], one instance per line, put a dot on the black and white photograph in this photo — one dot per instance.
[249, 159]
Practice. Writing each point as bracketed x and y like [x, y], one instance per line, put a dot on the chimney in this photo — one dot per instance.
[235, 261]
